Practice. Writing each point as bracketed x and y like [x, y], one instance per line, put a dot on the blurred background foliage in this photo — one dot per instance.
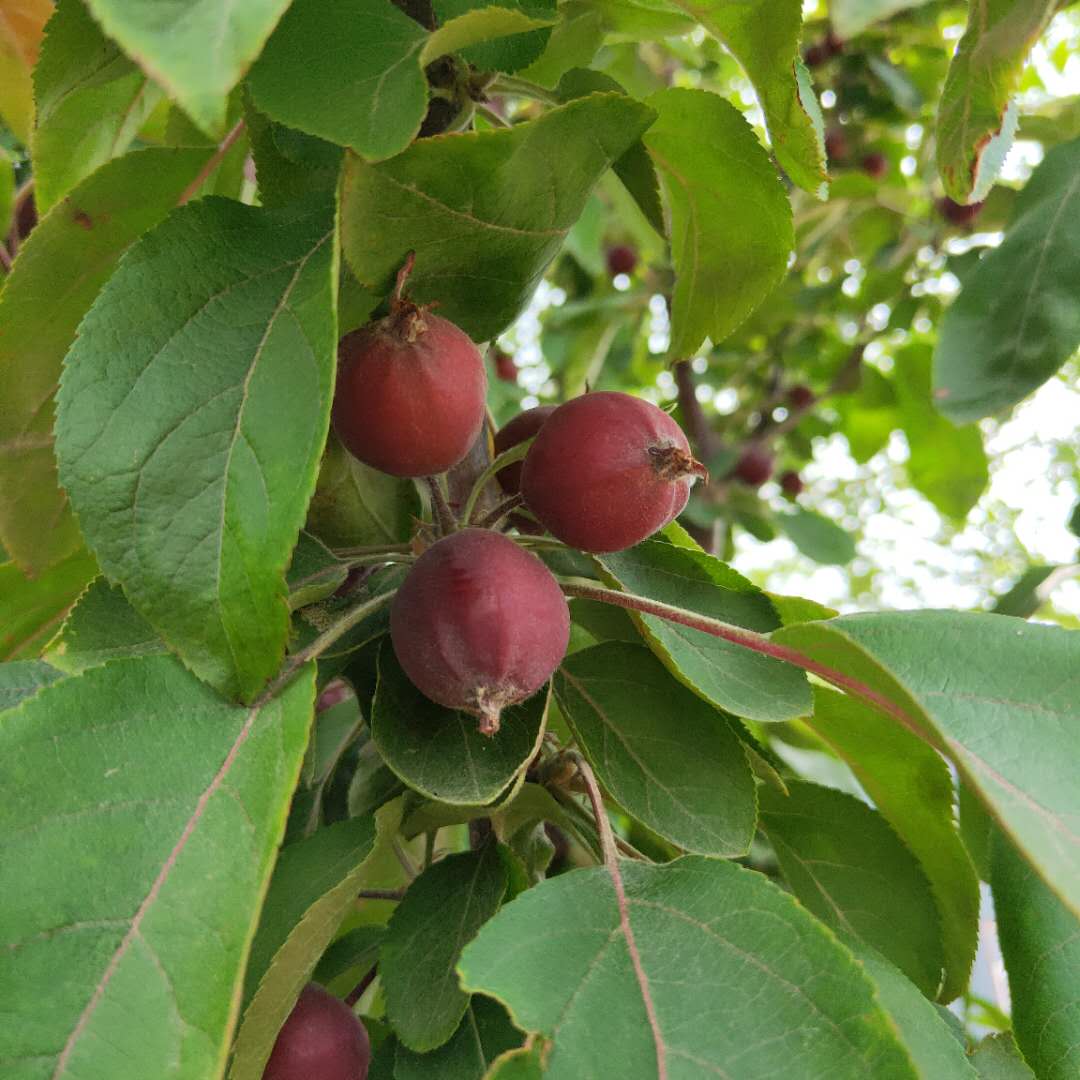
[894, 506]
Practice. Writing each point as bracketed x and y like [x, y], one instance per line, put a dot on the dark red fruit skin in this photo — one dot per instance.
[479, 624]
[836, 145]
[791, 483]
[875, 165]
[621, 259]
[755, 465]
[523, 426]
[958, 213]
[321, 1040]
[595, 475]
[410, 395]
[800, 397]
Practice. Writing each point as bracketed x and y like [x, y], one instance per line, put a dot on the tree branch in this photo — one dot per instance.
[697, 425]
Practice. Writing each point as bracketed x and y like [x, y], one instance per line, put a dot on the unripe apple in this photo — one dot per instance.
[322, 1039]
[755, 465]
[621, 259]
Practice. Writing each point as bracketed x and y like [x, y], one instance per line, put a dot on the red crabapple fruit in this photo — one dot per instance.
[479, 624]
[755, 465]
[323, 1038]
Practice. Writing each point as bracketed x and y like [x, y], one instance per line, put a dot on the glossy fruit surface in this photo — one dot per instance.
[608, 470]
[479, 624]
[523, 426]
[411, 393]
[791, 483]
[755, 465]
[621, 259]
[321, 1040]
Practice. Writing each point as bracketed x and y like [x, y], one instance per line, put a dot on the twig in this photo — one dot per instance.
[444, 516]
[611, 861]
[403, 858]
[737, 635]
[215, 160]
[490, 521]
[357, 992]
[323, 642]
[381, 894]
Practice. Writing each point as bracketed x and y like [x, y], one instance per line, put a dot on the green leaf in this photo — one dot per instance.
[314, 573]
[1040, 942]
[1016, 321]
[503, 36]
[369, 91]
[731, 677]
[314, 886]
[997, 1058]
[441, 913]
[356, 948]
[850, 869]
[484, 211]
[7, 191]
[355, 505]
[947, 464]
[21, 26]
[817, 536]
[485, 1033]
[132, 888]
[936, 1052]
[91, 102]
[31, 610]
[1026, 595]
[987, 691]
[911, 787]
[851, 17]
[983, 74]
[767, 47]
[525, 1063]
[289, 165]
[68, 257]
[440, 752]
[192, 491]
[197, 50]
[667, 757]
[21, 679]
[730, 219]
[102, 626]
[557, 957]
[574, 41]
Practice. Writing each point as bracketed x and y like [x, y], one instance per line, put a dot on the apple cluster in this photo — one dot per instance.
[480, 622]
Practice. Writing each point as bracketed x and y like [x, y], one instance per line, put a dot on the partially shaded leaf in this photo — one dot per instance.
[911, 787]
[485, 212]
[442, 911]
[670, 759]
[767, 47]
[91, 102]
[731, 677]
[440, 752]
[198, 50]
[984, 72]
[730, 220]
[192, 491]
[850, 870]
[817, 537]
[314, 572]
[557, 958]
[68, 257]
[1040, 942]
[997, 1058]
[1016, 321]
[24, 678]
[995, 694]
[851, 17]
[132, 889]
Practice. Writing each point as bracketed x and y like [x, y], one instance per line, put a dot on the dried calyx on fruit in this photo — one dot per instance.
[479, 624]
[411, 391]
[608, 470]
[323, 1038]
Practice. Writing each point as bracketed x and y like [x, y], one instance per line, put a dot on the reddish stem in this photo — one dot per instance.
[611, 861]
[215, 160]
[748, 639]
[357, 991]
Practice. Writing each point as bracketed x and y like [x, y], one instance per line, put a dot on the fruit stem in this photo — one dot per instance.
[402, 278]
[508, 457]
[492, 520]
[357, 991]
[444, 516]
[323, 642]
[379, 549]
[507, 84]
[213, 162]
